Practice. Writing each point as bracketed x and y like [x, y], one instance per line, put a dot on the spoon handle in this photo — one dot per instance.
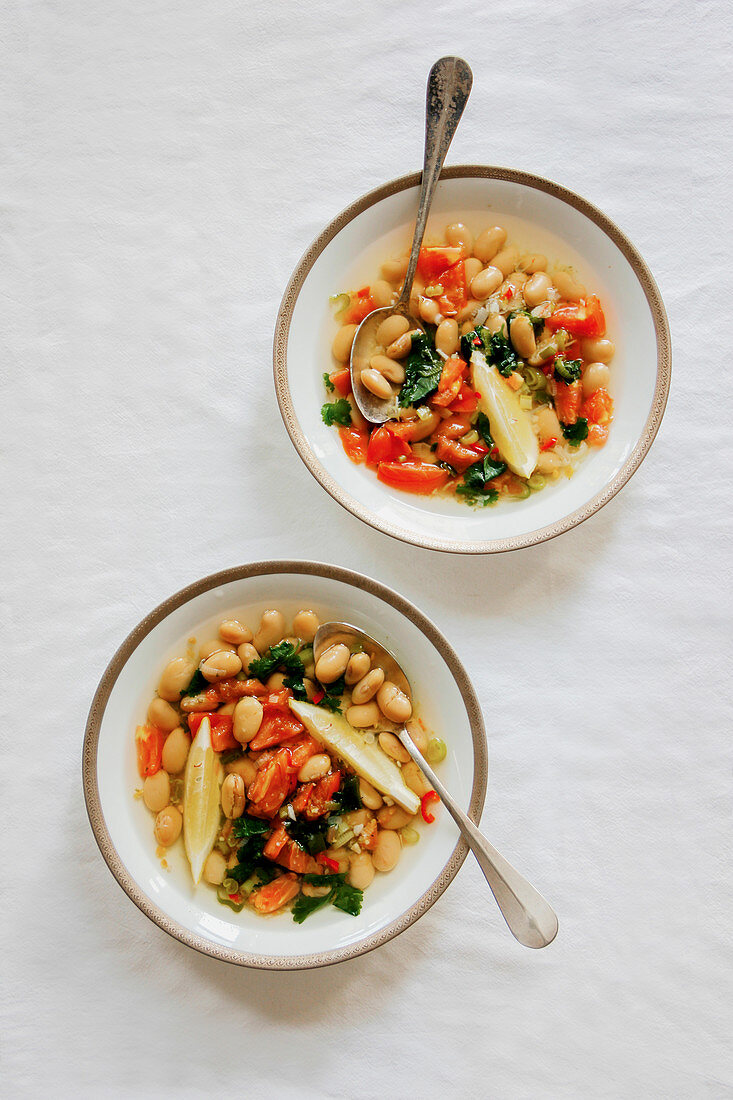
[530, 918]
[449, 85]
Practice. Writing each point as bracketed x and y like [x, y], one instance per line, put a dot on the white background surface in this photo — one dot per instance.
[165, 166]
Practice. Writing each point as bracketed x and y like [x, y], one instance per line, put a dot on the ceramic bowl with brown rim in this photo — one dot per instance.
[123, 827]
[539, 216]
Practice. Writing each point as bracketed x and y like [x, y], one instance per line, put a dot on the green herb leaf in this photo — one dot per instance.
[304, 906]
[246, 826]
[332, 697]
[482, 426]
[283, 657]
[310, 835]
[347, 798]
[423, 369]
[475, 488]
[337, 412]
[348, 899]
[328, 383]
[567, 370]
[501, 354]
[577, 432]
[197, 684]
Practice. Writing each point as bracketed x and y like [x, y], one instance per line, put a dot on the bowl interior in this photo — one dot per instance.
[540, 218]
[123, 825]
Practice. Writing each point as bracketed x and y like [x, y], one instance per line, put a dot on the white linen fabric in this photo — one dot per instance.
[165, 166]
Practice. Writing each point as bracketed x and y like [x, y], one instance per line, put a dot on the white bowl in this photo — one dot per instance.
[541, 217]
[123, 827]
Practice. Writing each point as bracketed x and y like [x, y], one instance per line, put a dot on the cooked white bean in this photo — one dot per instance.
[168, 826]
[157, 791]
[215, 868]
[360, 874]
[214, 645]
[271, 630]
[496, 323]
[534, 262]
[428, 310]
[569, 287]
[415, 779]
[418, 735]
[521, 334]
[231, 630]
[467, 311]
[536, 289]
[305, 625]
[276, 681]
[361, 717]
[387, 851]
[175, 677]
[358, 666]
[247, 653]
[393, 817]
[393, 271]
[471, 268]
[548, 462]
[368, 686]
[342, 342]
[548, 426]
[506, 260]
[244, 767]
[175, 750]
[393, 746]
[393, 703]
[446, 336]
[391, 329]
[401, 347]
[486, 282]
[233, 795]
[596, 376]
[392, 370]
[489, 243]
[376, 383]
[220, 666]
[599, 350]
[332, 663]
[459, 236]
[162, 715]
[369, 795]
[382, 293]
[318, 765]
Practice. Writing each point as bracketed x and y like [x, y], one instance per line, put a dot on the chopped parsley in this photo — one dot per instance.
[246, 826]
[341, 895]
[475, 488]
[577, 432]
[197, 684]
[423, 369]
[328, 383]
[567, 370]
[332, 695]
[337, 412]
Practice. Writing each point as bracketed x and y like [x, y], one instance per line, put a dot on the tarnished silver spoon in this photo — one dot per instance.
[449, 85]
[530, 918]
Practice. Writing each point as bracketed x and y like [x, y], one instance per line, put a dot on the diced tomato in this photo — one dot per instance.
[467, 400]
[232, 689]
[584, 318]
[270, 898]
[276, 843]
[222, 737]
[368, 836]
[302, 750]
[412, 477]
[271, 785]
[454, 427]
[567, 401]
[454, 297]
[450, 382]
[302, 798]
[597, 435]
[297, 859]
[274, 730]
[598, 409]
[149, 741]
[456, 454]
[322, 795]
[432, 262]
[385, 446]
[341, 381]
[361, 306]
[355, 442]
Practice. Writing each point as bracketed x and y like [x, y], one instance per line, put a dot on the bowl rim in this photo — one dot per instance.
[483, 546]
[91, 742]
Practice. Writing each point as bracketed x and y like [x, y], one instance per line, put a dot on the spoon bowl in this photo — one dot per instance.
[529, 917]
[376, 410]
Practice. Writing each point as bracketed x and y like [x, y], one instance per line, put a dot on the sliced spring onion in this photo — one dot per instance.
[434, 291]
[525, 401]
[423, 412]
[536, 482]
[340, 302]
[472, 436]
[409, 835]
[436, 750]
[523, 493]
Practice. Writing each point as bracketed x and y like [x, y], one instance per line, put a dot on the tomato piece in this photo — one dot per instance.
[454, 297]
[355, 442]
[597, 435]
[368, 836]
[433, 261]
[450, 382]
[454, 427]
[222, 737]
[341, 381]
[456, 454]
[271, 785]
[322, 795]
[584, 318]
[270, 898]
[412, 477]
[297, 859]
[598, 408]
[385, 446]
[302, 750]
[149, 741]
[273, 730]
[467, 400]
[232, 689]
[567, 401]
[302, 798]
[361, 306]
[276, 843]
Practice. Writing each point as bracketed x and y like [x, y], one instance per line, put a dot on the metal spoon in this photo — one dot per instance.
[449, 85]
[530, 918]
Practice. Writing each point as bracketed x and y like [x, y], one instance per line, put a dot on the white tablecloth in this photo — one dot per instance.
[165, 166]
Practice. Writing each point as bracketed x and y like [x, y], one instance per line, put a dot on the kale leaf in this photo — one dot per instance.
[328, 383]
[310, 835]
[501, 354]
[423, 369]
[348, 797]
[344, 897]
[577, 432]
[567, 370]
[246, 826]
[337, 412]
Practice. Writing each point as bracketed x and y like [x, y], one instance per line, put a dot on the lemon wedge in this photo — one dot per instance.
[511, 425]
[201, 811]
[348, 744]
